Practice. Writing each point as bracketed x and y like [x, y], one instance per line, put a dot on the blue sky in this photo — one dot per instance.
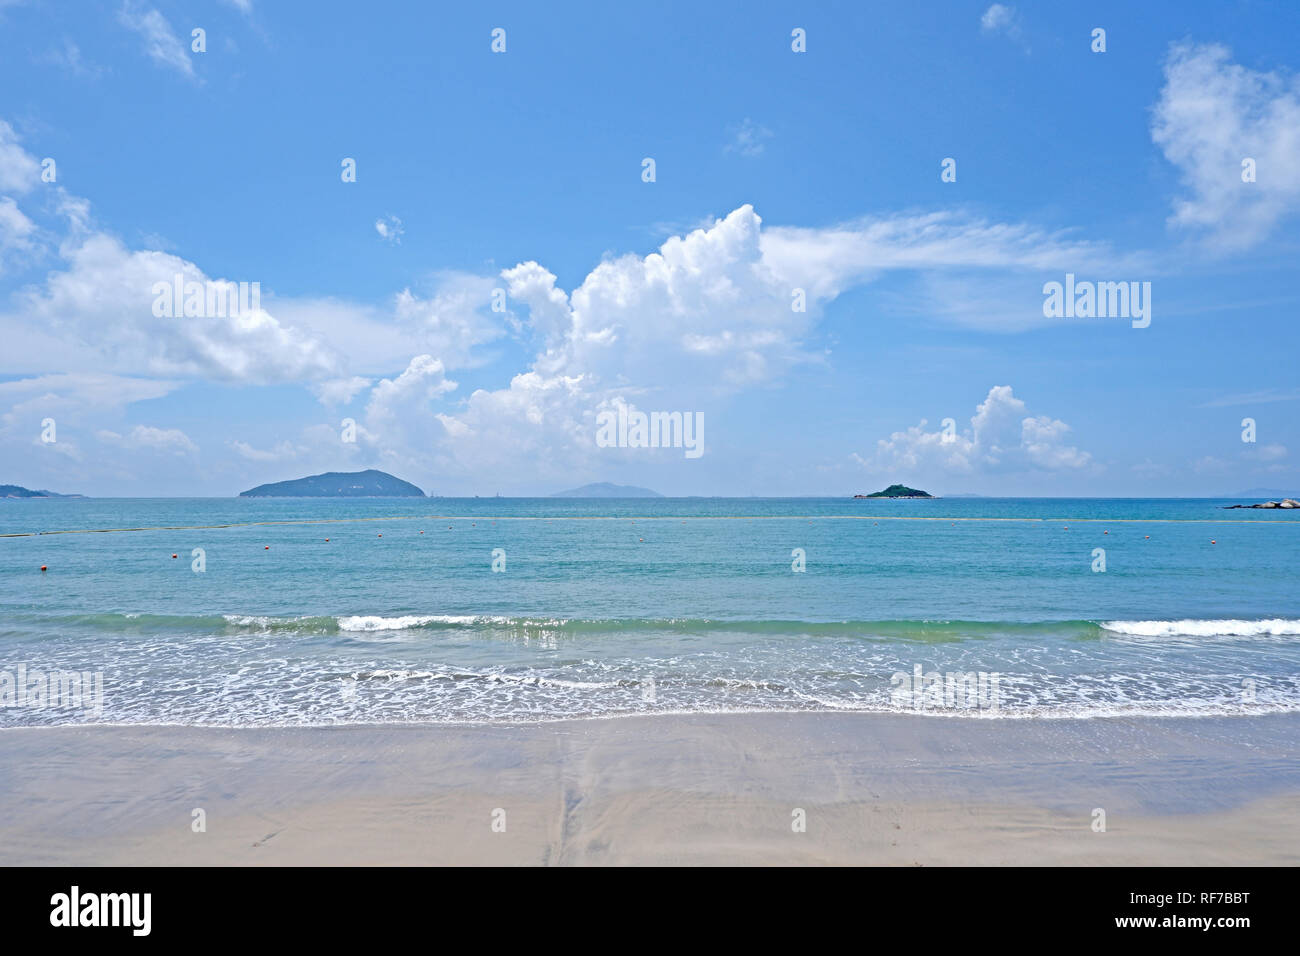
[775, 170]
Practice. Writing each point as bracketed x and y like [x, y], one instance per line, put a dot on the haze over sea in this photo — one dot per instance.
[630, 606]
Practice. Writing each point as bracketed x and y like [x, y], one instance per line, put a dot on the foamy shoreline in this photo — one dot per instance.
[671, 789]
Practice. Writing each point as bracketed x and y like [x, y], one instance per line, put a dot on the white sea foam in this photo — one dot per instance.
[248, 620]
[374, 622]
[1277, 627]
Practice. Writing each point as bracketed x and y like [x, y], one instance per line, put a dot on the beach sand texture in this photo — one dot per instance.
[699, 789]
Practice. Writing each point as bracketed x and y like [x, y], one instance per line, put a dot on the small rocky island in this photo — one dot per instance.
[1284, 503]
[338, 484]
[898, 491]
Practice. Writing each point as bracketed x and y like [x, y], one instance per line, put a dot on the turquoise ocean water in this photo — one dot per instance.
[611, 607]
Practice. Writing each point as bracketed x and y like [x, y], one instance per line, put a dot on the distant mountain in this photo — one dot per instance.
[1265, 493]
[18, 491]
[898, 491]
[603, 489]
[338, 484]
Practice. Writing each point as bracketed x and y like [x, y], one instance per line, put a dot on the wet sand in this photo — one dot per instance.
[701, 789]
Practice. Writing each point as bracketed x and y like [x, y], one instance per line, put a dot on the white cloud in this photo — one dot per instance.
[398, 406]
[452, 322]
[16, 231]
[19, 170]
[998, 17]
[161, 43]
[550, 317]
[708, 306]
[1001, 438]
[423, 379]
[1003, 20]
[710, 313]
[706, 315]
[339, 391]
[829, 260]
[97, 312]
[1212, 114]
[390, 229]
[71, 398]
[104, 301]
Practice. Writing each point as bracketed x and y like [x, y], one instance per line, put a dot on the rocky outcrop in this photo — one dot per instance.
[1284, 503]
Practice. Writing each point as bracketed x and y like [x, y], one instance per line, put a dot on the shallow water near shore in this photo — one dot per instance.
[619, 607]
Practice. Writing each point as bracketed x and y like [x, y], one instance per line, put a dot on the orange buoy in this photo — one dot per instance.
[640, 539]
[327, 539]
[1148, 537]
[267, 548]
[421, 532]
[1105, 532]
[43, 567]
[381, 536]
[1212, 541]
[173, 556]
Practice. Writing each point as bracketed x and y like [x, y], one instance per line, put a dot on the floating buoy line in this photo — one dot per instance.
[872, 518]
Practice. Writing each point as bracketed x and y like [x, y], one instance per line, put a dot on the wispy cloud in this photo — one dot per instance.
[1212, 116]
[161, 43]
[748, 138]
[390, 229]
[1003, 20]
[1253, 398]
[998, 18]
[70, 58]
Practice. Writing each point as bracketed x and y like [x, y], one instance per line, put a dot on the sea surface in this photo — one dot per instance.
[317, 612]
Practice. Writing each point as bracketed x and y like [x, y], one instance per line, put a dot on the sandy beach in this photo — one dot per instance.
[701, 789]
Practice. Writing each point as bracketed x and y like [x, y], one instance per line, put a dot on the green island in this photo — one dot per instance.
[336, 484]
[898, 491]
[18, 491]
